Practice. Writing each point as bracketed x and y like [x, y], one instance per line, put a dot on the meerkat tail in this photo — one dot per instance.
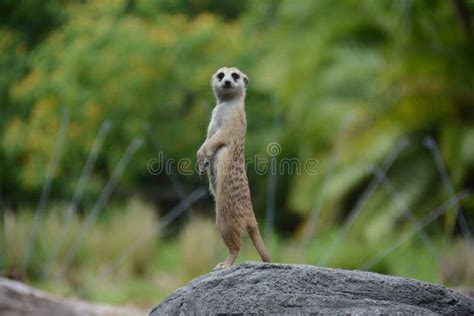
[258, 242]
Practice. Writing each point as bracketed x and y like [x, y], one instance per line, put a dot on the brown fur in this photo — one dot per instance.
[222, 157]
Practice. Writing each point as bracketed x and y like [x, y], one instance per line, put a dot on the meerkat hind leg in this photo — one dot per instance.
[233, 244]
[229, 261]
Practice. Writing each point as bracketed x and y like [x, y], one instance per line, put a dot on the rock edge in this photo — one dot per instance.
[268, 288]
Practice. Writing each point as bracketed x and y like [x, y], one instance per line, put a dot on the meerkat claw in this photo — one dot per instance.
[220, 266]
[203, 164]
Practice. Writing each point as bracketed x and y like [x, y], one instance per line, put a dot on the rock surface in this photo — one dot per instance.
[18, 299]
[262, 288]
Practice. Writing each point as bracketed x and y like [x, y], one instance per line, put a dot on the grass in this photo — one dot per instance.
[163, 264]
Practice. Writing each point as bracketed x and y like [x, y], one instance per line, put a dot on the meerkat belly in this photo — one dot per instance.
[229, 179]
[217, 167]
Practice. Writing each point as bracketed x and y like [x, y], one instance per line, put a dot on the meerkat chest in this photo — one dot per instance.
[220, 115]
[215, 123]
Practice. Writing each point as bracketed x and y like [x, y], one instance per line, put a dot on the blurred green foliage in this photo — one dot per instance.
[343, 82]
[163, 264]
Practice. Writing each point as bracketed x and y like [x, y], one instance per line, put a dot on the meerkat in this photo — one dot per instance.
[222, 157]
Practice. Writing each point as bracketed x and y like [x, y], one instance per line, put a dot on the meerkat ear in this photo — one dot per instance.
[246, 81]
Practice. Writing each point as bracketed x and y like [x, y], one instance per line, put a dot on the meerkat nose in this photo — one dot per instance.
[227, 83]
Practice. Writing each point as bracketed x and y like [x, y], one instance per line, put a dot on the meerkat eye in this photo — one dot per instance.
[220, 76]
[235, 76]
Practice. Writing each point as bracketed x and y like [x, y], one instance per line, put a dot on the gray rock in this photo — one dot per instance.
[263, 288]
[18, 299]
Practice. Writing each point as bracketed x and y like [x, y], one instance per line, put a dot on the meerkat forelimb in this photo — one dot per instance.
[221, 156]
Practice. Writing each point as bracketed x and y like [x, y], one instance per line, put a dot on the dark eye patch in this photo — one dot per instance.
[220, 76]
[235, 76]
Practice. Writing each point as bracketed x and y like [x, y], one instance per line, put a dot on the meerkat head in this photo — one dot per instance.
[229, 83]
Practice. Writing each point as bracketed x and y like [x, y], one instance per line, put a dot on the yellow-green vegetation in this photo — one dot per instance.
[343, 83]
[164, 263]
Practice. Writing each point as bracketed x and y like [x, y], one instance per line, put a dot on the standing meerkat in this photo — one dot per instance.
[221, 156]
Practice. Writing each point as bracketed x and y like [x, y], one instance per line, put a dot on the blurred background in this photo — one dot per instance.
[379, 94]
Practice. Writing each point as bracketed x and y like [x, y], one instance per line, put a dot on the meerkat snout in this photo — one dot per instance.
[229, 83]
